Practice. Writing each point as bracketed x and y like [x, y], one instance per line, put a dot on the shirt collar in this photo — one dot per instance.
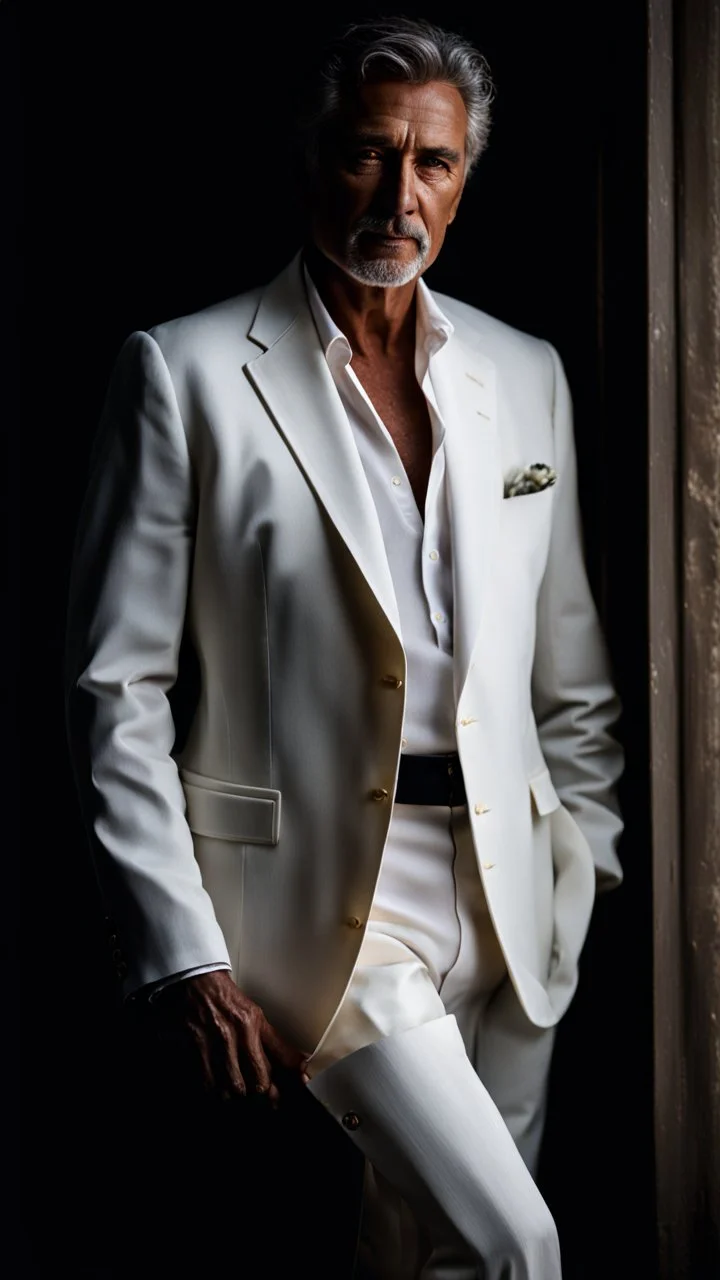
[433, 327]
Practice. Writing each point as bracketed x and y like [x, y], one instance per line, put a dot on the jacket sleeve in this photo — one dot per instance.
[126, 610]
[574, 701]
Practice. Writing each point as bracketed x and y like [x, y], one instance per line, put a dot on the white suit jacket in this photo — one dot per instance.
[227, 497]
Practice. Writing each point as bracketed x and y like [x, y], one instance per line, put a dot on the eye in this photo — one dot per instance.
[433, 162]
[366, 155]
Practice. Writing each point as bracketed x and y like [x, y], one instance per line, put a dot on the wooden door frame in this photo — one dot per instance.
[683, 184]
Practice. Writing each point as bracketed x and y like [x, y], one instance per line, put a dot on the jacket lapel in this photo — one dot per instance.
[464, 383]
[292, 378]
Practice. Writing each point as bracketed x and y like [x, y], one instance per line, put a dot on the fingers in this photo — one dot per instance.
[230, 1046]
[287, 1057]
[230, 1079]
[242, 1066]
[273, 1064]
[289, 1064]
[258, 1066]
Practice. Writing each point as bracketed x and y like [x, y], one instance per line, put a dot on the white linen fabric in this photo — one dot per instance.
[429, 951]
[234, 502]
[430, 946]
[228, 503]
[429, 933]
[447, 1194]
[418, 546]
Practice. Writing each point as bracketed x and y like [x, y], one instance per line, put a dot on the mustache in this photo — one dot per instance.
[400, 226]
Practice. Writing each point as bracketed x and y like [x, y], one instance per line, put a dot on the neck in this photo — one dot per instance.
[371, 317]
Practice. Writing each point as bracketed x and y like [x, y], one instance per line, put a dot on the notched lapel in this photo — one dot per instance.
[294, 382]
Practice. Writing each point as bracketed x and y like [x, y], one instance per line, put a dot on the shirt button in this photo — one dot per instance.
[403, 743]
[488, 866]
[393, 681]
[434, 555]
[481, 808]
[351, 1120]
[379, 793]
[353, 922]
[439, 617]
[396, 481]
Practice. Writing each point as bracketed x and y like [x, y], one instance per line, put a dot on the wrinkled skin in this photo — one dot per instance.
[227, 1047]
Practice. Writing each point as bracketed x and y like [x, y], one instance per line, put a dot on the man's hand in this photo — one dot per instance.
[224, 1040]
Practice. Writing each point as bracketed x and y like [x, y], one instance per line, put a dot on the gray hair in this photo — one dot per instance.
[406, 49]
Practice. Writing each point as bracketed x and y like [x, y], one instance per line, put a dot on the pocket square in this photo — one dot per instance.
[528, 479]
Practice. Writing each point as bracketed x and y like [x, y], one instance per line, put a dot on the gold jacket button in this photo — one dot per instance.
[351, 1120]
[379, 793]
[393, 681]
[353, 922]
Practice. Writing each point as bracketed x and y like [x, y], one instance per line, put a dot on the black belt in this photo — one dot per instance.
[430, 780]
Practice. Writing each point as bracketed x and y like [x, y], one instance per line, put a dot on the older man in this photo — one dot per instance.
[373, 862]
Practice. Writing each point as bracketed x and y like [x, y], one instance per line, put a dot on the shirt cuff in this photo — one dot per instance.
[153, 989]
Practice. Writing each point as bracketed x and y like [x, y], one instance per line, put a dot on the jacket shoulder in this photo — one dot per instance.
[210, 332]
[506, 346]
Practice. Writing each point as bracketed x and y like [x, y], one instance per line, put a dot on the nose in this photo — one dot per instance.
[406, 195]
[400, 189]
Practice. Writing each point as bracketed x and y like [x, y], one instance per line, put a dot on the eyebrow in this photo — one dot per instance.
[382, 140]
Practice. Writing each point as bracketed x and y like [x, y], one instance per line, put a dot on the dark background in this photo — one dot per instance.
[165, 185]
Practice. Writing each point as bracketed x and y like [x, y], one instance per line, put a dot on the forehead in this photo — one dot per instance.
[428, 114]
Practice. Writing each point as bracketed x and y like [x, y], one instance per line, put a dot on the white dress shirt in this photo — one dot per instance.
[418, 550]
[418, 546]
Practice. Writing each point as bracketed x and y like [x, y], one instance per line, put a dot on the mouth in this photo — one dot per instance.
[382, 239]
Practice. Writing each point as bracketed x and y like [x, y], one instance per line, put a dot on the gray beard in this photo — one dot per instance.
[383, 272]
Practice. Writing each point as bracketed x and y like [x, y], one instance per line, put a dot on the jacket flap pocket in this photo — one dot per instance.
[543, 792]
[249, 815]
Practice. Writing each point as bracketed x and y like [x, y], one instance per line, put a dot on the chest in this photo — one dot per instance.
[400, 403]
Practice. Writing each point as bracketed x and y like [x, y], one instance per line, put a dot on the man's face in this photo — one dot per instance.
[390, 181]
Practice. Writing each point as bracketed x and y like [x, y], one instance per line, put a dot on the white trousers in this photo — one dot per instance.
[436, 1074]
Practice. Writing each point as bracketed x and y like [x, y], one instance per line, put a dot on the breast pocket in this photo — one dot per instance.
[525, 525]
[528, 506]
[231, 811]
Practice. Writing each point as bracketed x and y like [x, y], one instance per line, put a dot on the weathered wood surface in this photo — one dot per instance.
[684, 602]
[664, 592]
[698, 238]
